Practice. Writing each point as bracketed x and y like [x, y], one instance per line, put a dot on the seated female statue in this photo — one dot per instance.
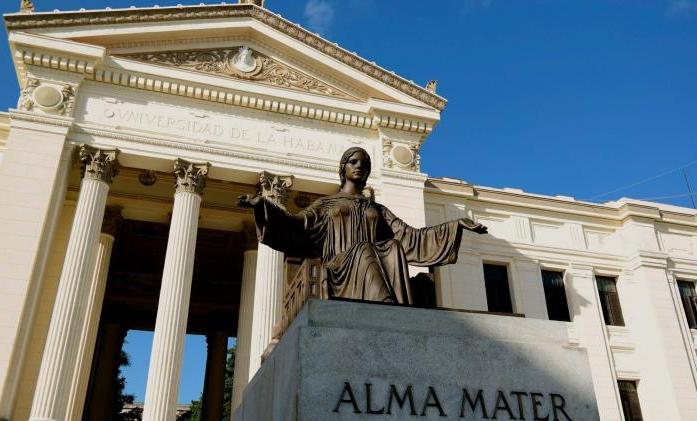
[365, 248]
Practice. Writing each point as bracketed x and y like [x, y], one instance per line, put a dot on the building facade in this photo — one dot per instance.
[135, 131]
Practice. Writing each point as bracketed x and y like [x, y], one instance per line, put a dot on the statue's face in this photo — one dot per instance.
[357, 168]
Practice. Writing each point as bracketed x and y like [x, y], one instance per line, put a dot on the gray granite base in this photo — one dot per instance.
[354, 361]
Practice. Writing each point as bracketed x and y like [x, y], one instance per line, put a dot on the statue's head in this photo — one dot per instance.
[359, 153]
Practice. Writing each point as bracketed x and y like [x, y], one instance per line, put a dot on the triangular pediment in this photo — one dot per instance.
[295, 59]
[242, 63]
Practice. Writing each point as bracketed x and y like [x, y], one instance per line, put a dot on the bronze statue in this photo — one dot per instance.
[365, 248]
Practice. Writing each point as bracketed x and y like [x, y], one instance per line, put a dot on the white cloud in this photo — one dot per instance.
[681, 8]
[319, 15]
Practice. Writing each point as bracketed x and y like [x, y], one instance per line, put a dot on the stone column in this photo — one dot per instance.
[173, 306]
[90, 326]
[70, 309]
[244, 320]
[214, 384]
[105, 372]
[268, 286]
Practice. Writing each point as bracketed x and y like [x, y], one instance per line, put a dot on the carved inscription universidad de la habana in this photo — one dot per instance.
[472, 403]
[223, 130]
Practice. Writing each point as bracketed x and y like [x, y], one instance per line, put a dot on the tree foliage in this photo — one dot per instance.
[195, 410]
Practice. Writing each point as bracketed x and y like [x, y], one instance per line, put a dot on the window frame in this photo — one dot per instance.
[691, 322]
[544, 268]
[637, 403]
[610, 318]
[507, 266]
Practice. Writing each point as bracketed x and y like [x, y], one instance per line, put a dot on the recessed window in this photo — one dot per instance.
[689, 302]
[630, 400]
[498, 294]
[555, 295]
[609, 301]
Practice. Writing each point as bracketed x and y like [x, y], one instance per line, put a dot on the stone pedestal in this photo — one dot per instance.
[346, 360]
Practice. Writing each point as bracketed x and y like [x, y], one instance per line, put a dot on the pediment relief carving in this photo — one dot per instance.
[241, 63]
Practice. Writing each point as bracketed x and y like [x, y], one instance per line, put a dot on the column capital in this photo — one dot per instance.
[112, 220]
[98, 164]
[275, 187]
[190, 176]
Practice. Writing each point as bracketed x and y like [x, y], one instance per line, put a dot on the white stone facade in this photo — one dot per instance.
[108, 79]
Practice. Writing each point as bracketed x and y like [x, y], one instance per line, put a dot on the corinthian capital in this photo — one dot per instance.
[190, 176]
[98, 164]
[274, 187]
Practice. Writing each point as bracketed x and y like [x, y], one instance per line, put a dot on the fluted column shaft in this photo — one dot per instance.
[268, 296]
[173, 307]
[244, 328]
[90, 326]
[70, 308]
[268, 285]
[214, 384]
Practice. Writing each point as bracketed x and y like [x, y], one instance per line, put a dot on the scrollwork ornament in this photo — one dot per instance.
[66, 108]
[26, 98]
[98, 164]
[386, 153]
[190, 177]
[241, 63]
[416, 161]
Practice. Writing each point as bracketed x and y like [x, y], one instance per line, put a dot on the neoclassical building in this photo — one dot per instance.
[135, 131]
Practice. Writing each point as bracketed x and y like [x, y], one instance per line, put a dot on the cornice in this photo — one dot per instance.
[238, 98]
[50, 120]
[621, 213]
[19, 21]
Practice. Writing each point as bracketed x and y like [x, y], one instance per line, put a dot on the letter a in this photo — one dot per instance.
[432, 401]
[351, 399]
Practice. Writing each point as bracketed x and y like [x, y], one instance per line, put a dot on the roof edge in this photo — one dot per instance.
[24, 21]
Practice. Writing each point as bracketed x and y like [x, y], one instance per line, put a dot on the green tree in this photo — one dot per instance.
[194, 412]
[121, 398]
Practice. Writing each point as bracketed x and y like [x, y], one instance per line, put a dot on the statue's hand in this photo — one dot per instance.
[248, 200]
[470, 225]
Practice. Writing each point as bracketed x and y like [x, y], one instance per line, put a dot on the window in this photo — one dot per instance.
[498, 295]
[630, 400]
[609, 301]
[555, 295]
[689, 302]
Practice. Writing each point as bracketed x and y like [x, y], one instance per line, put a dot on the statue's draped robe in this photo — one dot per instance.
[365, 247]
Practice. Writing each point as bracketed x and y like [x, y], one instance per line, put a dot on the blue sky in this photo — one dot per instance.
[577, 98]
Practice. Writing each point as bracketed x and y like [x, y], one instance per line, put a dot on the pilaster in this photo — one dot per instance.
[33, 181]
[587, 317]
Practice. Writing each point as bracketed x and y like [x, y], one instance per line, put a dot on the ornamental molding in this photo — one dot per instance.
[111, 17]
[189, 89]
[190, 177]
[223, 96]
[47, 97]
[240, 63]
[51, 120]
[98, 164]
